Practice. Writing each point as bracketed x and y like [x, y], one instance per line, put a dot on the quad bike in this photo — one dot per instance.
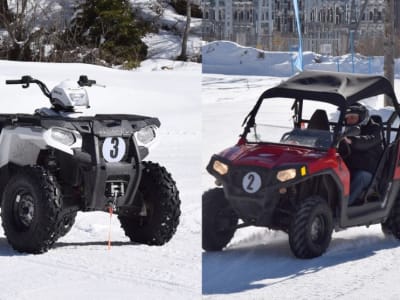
[54, 164]
[292, 177]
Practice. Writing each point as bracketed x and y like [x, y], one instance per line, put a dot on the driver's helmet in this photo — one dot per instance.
[361, 111]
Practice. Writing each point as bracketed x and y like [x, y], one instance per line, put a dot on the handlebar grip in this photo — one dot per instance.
[14, 81]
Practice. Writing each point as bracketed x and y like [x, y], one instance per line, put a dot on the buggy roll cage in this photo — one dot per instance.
[339, 89]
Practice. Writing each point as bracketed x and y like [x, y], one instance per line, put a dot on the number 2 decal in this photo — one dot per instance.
[251, 182]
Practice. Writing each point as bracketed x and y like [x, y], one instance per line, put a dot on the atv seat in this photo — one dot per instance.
[378, 120]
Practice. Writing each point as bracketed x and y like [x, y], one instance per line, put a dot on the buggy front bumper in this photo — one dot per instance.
[256, 208]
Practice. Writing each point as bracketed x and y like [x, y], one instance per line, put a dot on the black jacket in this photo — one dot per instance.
[366, 149]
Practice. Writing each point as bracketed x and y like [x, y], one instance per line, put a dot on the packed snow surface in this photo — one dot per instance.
[361, 263]
[80, 266]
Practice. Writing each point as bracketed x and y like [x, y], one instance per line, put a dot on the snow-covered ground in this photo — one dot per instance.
[166, 44]
[229, 58]
[80, 266]
[359, 264]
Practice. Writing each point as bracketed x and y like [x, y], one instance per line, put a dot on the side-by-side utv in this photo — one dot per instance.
[286, 172]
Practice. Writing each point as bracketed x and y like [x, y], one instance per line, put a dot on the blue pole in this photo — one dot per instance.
[369, 64]
[292, 63]
[352, 48]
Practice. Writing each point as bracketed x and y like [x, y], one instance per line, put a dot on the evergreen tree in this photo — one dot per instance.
[110, 26]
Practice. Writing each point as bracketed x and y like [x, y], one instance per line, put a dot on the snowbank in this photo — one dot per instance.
[224, 57]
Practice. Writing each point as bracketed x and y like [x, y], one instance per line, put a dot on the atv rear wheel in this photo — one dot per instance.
[161, 206]
[311, 228]
[392, 224]
[65, 223]
[31, 204]
[218, 221]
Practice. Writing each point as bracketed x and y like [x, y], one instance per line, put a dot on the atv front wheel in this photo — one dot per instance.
[158, 223]
[218, 221]
[31, 204]
[311, 228]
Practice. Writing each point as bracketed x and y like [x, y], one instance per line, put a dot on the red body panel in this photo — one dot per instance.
[273, 156]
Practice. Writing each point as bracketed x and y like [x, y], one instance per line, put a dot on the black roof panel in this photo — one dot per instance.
[340, 89]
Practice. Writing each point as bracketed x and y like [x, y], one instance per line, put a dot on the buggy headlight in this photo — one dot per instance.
[286, 175]
[63, 136]
[145, 135]
[220, 167]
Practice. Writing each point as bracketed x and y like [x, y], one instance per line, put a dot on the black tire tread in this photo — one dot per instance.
[298, 232]
[392, 224]
[213, 201]
[40, 237]
[158, 187]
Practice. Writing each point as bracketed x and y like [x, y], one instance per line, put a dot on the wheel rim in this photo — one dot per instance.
[24, 209]
[318, 227]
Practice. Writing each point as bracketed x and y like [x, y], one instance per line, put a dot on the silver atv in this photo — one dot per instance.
[54, 163]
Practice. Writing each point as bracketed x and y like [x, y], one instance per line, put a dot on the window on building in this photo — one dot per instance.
[379, 16]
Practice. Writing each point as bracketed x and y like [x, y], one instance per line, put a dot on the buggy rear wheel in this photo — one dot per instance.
[161, 208]
[218, 221]
[311, 228]
[392, 225]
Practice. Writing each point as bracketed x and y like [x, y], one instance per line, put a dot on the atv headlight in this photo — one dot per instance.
[145, 135]
[220, 167]
[286, 175]
[63, 136]
[78, 99]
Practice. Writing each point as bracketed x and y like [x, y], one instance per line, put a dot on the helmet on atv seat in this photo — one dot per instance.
[361, 111]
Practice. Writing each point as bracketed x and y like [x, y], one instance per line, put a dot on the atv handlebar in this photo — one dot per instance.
[85, 81]
[27, 80]
[12, 81]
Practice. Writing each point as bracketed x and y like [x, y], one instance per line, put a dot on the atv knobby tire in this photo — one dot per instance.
[310, 231]
[162, 207]
[392, 224]
[65, 223]
[31, 204]
[219, 221]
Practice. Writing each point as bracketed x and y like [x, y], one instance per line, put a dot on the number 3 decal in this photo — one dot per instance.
[113, 149]
[251, 182]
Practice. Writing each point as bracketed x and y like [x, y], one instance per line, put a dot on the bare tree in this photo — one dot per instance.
[4, 12]
[183, 55]
[26, 22]
[388, 67]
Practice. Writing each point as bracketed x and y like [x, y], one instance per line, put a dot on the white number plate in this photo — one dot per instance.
[251, 182]
[113, 149]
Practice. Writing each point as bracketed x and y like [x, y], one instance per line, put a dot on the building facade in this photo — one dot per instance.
[328, 26]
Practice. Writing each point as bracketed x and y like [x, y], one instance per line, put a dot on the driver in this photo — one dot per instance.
[365, 149]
